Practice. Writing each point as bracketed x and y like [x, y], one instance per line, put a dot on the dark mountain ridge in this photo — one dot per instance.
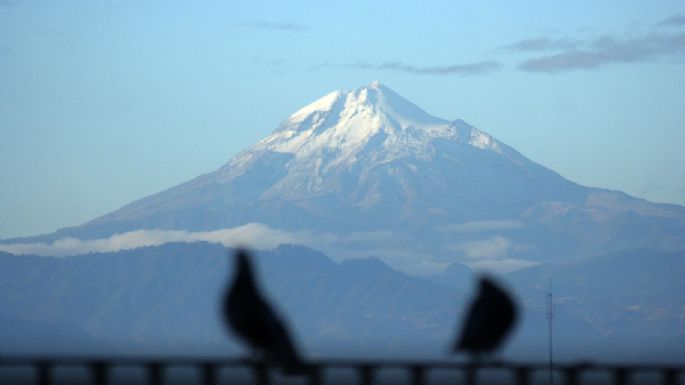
[165, 300]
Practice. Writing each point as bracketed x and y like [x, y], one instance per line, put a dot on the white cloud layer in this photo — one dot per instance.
[487, 254]
[492, 254]
[252, 235]
[490, 248]
[501, 266]
[476, 226]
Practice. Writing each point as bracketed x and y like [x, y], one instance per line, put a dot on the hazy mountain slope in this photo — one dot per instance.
[634, 298]
[165, 299]
[641, 290]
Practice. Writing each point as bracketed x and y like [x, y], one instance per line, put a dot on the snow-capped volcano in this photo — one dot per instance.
[341, 124]
[364, 128]
[344, 122]
[367, 172]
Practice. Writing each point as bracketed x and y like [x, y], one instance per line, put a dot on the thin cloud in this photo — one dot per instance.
[253, 235]
[488, 254]
[9, 3]
[268, 62]
[476, 68]
[607, 50]
[501, 266]
[492, 254]
[121, 4]
[275, 26]
[478, 226]
[673, 21]
[542, 44]
[490, 248]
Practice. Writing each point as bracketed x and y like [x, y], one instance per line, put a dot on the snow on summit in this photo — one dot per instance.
[323, 104]
[354, 133]
[341, 124]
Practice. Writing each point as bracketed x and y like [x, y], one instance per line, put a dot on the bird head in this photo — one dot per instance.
[243, 266]
[487, 284]
[489, 288]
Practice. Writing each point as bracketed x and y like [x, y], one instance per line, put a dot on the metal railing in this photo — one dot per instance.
[212, 371]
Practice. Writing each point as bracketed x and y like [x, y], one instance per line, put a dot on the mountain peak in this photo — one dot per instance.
[342, 123]
[367, 127]
[373, 99]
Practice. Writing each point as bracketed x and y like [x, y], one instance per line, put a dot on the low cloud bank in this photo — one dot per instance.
[502, 266]
[478, 226]
[493, 253]
[253, 235]
[488, 254]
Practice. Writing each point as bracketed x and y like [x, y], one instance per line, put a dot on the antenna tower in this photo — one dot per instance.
[550, 324]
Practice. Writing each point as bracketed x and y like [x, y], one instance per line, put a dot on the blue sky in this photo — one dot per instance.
[104, 102]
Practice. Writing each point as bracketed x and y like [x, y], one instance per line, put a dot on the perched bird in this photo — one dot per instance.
[490, 318]
[253, 320]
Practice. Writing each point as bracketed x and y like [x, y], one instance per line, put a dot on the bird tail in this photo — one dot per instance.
[296, 368]
[290, 363]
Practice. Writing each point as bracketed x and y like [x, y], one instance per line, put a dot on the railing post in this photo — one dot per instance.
[261, 373]
[470, 374]
[571, 374]
[417, 374]
[154, 373]
[366, 375]
[44, 373]
[208, 374]
[522, 375]
[620, 376]
[670, 376]
[314, 374]
[98, 372]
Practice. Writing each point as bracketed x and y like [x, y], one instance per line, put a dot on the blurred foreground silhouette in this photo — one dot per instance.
[254, 321]
[491, 316]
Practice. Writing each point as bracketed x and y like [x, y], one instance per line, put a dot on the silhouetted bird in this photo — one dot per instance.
[490, 318]
[253, 320]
